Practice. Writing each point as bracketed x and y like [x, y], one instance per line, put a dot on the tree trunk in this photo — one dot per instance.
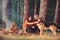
[35, 7]
[26, 3]
[57, 11]
[43, 9]
[14, 10]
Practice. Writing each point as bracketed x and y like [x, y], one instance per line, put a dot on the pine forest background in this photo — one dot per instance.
[19, 10]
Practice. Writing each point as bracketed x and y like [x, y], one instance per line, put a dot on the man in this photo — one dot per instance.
[36, 18]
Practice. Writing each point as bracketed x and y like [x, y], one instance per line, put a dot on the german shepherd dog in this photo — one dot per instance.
[42, 27]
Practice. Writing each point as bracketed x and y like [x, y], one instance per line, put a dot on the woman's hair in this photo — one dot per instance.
[31, 18]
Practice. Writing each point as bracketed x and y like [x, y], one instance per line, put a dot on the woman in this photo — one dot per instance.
[28, 23]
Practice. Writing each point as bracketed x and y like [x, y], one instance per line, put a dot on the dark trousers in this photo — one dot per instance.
[29, 29]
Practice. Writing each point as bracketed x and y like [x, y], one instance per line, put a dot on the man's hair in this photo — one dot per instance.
[36, 15]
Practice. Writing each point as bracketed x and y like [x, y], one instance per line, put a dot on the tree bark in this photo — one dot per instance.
[26, 3]
[57, 12]
[35, 7]
[43, 9]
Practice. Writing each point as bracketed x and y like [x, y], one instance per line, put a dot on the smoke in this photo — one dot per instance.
[4, 14]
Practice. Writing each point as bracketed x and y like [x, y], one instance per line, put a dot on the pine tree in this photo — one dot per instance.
[43, 9]
[57, 12]
[26, 4]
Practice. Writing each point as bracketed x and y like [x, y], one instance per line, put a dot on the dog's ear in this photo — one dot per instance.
[39, 20]
[38, 24]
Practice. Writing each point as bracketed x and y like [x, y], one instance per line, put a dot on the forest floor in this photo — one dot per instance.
[45, 36]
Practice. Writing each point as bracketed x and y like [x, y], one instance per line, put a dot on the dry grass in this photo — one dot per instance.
[46, 36]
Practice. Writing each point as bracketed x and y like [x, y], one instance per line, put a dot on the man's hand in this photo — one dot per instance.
[39, 20]
[36, 22]
[32, 26]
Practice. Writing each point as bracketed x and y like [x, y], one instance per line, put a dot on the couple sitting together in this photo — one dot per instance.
[30, 24]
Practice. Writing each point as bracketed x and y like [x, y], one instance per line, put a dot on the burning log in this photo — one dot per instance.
[13, 28]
